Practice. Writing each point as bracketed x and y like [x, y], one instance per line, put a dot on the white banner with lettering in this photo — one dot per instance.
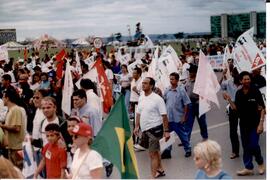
[246, 53]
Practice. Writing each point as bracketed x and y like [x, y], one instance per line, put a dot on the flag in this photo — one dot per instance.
[167, 63]
[59, 67]
[114, 141]
[25, 54]
[206, 85]
[29, 163]
[247, 55]
[103, 82]
[4, 54]
[152, 69]
[78, 64]
[226, 56]
[67, 90]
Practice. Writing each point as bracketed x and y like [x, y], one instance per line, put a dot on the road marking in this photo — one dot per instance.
[211, 127]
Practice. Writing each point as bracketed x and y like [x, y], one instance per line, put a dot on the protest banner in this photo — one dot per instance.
[4, 54]
[246, 54]
[216, 61]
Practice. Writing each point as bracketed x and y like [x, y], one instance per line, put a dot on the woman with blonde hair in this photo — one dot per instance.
[8, 170]
[207, 157]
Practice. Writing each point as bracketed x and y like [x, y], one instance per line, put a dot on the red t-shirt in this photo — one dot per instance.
[55, 159]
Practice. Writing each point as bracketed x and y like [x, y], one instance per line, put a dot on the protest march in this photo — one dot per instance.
[96, 110]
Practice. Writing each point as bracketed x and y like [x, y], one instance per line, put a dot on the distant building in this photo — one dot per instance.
[233, 25]
[7, 35]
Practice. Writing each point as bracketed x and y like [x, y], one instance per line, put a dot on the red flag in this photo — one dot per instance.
[60, 55]
[106, 90]
[25, 54]
[59, 67]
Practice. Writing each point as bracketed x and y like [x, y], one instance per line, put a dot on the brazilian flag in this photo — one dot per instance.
[114, 141]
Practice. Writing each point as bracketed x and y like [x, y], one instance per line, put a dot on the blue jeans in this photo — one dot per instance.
[251, 147]
[127, 97]
[182, 134]
[192, 113]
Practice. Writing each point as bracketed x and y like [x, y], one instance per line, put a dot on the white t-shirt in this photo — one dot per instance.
[86, 164]
[185, 73]
[134, 97]
[39, 116]
[125, 80]
[151, 108]
[45, 123]
[109, 74]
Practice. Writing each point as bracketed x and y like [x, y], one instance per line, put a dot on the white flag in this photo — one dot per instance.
[152, 69]
[4, 54]
[246, 53]
[29, 163]
[67, 90]
[78, 64]
[227, 55]
[206, 85]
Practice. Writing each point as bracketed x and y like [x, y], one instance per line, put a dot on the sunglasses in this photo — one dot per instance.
[35, 97]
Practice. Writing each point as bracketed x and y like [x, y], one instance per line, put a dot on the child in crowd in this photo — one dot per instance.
[207, 157]
[54, 156]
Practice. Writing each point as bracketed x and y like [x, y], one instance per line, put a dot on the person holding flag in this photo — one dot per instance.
[194, 105]
[251, 110]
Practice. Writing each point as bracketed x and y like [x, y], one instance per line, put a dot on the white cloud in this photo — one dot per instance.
[75, 18]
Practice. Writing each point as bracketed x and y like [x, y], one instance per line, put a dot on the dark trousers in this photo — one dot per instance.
[192, 114]
[233, 123]
[251, 147]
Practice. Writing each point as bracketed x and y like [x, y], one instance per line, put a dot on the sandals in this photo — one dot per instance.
[233, 156]
[160, 174]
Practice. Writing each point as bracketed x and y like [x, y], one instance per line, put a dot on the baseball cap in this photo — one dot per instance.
[83, 129]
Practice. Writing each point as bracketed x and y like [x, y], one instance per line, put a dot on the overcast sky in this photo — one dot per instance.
[80, 18]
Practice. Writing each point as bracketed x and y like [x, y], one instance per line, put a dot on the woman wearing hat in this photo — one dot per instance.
[87, 163]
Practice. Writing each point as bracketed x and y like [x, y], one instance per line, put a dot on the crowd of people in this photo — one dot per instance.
[30, 104]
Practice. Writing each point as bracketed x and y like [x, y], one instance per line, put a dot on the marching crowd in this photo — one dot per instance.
[30, 108]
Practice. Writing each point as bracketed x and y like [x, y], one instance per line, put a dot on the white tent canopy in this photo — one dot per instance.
[80, 42]
[48, 41]
[13, 45]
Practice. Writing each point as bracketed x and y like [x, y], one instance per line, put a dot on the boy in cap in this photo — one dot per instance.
[54, 156]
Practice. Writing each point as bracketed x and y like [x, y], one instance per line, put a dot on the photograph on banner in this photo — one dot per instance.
[216, 61]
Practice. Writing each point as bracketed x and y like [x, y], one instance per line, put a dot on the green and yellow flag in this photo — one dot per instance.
[114, 141]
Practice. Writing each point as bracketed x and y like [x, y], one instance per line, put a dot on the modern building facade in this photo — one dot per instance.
[233, 25]
[7, 35]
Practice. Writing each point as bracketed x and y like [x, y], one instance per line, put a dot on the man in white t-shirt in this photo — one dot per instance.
[152, 118]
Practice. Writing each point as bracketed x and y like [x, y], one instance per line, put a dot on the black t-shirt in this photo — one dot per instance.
[247, 107]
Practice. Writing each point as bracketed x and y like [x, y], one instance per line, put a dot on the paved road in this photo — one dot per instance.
[180, 167]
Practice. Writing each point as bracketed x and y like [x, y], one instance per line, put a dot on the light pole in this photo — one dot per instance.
[129, 33]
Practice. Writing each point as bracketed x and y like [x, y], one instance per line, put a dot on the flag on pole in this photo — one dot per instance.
[25, 54]
[78, 64]
[67, 90]
[206, 85]
[227, 55]
[103, 82]
[59, 67]
[247, 55]
[29, 163]
[114, 141]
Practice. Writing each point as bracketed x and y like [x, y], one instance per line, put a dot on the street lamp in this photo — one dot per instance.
[129, 33]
